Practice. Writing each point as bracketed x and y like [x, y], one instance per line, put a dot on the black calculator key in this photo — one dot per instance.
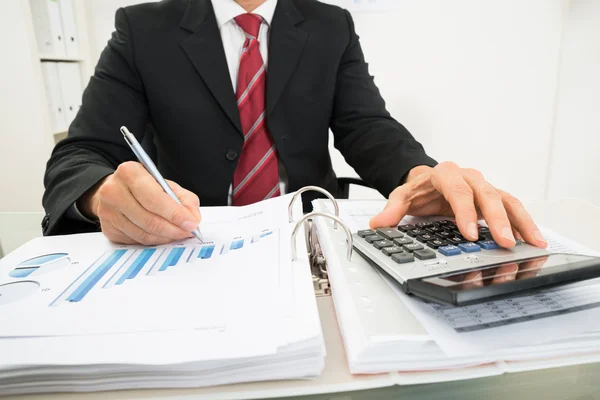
[424, 225]
[424, 254]
[403, 258]
[483, 230]
[444, 222]
[443, 234]
[406, 228]
[383, 243]
[403, 241]
[434, 244]
[456, 240]
[413, 247]
[390, 233]
[425, 238]
[486, 236]
[388, 251]
[416, 232]
[433, 229]
[365, 232]
[374, 238]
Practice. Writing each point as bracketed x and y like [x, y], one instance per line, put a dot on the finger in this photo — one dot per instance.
[492, 209]
[152, 197]
[506, 273]
[522, 221]
[131, 230]
[473, 279]
[447, 179]
[395, 209]
[530, 269]
[120, 198]
[190, 200]
[115, 235]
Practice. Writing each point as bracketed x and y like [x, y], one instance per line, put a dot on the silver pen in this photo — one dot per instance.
[147, 162]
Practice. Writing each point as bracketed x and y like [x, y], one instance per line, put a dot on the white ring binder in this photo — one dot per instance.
[349, 240]
[316, 189]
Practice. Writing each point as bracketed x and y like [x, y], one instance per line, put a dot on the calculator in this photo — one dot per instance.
[433, 261]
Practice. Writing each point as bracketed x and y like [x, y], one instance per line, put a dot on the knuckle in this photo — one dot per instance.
[447, 165]
[153, 225]
[127, 170]
[489, 193]
[512, 200]
[473, 173]
[146, 239]
[461, 190]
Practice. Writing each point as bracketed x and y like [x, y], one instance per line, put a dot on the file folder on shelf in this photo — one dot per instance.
[71, 38]
[70, 83]
[54, 97]
[48, 27]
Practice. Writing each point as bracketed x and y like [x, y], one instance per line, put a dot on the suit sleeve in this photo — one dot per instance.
[380, 149]
[95, 147]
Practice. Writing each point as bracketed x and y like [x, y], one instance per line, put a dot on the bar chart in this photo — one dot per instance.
[117, 267]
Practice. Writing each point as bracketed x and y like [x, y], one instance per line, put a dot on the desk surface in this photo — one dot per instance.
[563, 216]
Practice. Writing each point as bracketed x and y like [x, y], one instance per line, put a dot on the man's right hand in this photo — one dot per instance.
[133, 208]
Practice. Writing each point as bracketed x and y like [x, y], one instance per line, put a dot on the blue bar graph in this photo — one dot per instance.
[237, 244]
[206, 252]
[172, 258]
[136, 266]
[262, 235]
[95, 276]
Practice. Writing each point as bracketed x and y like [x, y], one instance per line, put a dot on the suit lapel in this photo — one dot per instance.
[204, 48]
[286, 44]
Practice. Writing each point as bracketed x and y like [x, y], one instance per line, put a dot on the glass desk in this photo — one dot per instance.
[576, 382]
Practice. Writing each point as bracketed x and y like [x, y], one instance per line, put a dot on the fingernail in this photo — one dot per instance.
[188, 226]
[508, 235]
[472, 230]
[539, 237]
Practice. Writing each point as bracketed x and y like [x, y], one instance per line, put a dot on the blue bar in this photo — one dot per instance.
[238, 244]
[137, 265]
[22, 272]
[206, 252]
[172, 258]
[262, 235]
[91, 280]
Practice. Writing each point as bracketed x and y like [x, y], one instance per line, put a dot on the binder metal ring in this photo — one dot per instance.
[349, 240]
[316, 189]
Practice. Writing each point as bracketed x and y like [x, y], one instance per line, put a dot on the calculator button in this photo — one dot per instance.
[403, 241]
[374, 238]
[425, 238]
[403, 258]
[434, 244]
[433, 229]
[444, 222]
[469, 247]
[519, 242]
[416, 232]
[365, 232]
[383, 243]
[456, 239]
[443, 234]
[488, 244]
[406, 228]
[424, 225]
[449, 250]
[390, 233]
[413, 247]
[425, 254]
[483, 230]
[388, 251]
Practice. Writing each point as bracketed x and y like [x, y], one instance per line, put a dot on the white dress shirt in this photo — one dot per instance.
[233, 38]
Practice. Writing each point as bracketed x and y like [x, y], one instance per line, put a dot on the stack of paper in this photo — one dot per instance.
[385, 330]
[81, 314]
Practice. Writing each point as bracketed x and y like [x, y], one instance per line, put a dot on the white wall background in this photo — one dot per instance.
[24, 144]
[475, 81]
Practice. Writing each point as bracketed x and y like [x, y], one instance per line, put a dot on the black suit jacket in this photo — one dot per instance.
[165, 69]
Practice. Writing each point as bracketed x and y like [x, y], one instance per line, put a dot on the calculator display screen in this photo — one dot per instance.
[498, 274]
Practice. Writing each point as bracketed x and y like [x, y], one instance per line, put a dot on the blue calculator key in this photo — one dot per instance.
[449, 250]
[488, 244]
[469, 247]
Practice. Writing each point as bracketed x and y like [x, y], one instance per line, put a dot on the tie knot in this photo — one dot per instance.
[250, 23]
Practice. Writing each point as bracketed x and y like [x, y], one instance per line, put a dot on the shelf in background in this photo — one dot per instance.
[50, 57]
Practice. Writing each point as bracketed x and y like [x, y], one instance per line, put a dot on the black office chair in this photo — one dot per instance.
[343, 185]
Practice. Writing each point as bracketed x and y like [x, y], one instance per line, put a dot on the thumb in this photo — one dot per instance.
[395, 209]
[188, 199]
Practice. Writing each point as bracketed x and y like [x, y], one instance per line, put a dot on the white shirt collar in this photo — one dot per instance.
[226, 10]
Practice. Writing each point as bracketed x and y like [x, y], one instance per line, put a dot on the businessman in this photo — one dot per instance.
[238, 97]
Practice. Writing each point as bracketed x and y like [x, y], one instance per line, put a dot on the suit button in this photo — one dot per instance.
[45, 221]
[231, 155]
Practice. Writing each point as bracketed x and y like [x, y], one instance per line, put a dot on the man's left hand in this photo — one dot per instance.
[464, 194]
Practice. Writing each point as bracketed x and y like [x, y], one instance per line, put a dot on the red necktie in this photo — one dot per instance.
[256, 176]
